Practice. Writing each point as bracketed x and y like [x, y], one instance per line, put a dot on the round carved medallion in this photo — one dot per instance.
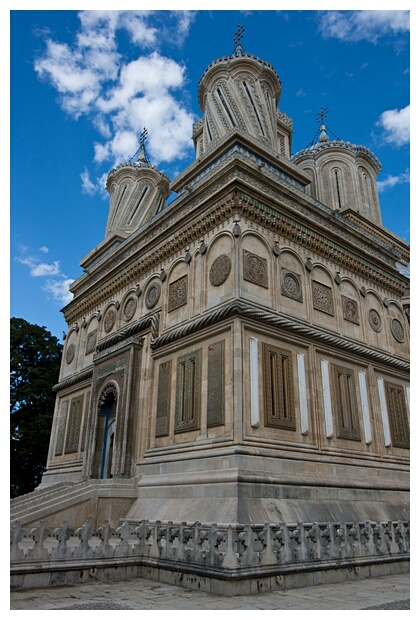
[220, 270]
[152, 295]
[129, 308]
[397, 330]
[70, 353]
[375, 320]
[109, 320]
[292, 284]
[91, 342]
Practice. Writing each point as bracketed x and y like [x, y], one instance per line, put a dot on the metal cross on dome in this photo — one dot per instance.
[143, 136]
[237, 38]
[322, 115]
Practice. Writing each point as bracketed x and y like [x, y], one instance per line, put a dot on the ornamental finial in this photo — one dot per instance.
[237, 40]
[320, 118]
[142, 156]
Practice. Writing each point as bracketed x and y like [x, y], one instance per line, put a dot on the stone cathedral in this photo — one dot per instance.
[239, 357]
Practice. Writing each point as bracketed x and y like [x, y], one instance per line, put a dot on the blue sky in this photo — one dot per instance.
[84, 84]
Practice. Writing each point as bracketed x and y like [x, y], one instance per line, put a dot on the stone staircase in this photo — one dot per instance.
[75, 502]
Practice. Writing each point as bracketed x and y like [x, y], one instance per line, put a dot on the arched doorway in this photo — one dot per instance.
[105, 433]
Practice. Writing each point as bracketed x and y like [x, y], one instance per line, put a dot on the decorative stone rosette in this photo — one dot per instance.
[220, 270]
[152, 295]
[255, 269]
[350, 309]
[291, 284]
[397, 330]
[71, 349]
[374, 320]
[322, 298]
[91, 341]
[109, 320]
[129, 308]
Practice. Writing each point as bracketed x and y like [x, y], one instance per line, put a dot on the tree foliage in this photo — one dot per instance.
[35, 356]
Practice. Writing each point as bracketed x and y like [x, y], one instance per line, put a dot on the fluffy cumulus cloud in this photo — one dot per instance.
[392, 180]
[57, 282]
[395, 125]
[59, 289]
[122, 97]
[363, 25]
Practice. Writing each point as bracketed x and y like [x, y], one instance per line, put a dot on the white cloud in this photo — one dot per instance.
[58, 286]
[301, 93]
[44, 249]
[40, 269]
[363, 25]
[391, 181]
[121, 98]
[87, 186]
[396, 126]
[59, 290]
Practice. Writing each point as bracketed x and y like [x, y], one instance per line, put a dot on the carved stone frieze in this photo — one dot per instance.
[255, 269]
[291, 284]
[322, 298]
[246, 310]
[220, 270]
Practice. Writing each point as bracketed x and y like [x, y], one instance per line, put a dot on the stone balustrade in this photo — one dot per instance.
[212, 550]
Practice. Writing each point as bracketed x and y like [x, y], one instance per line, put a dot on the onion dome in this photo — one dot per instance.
[138, 191]
[343, 174]
[241, 92]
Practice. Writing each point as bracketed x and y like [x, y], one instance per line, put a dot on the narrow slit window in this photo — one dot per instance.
[140, 200]
[254, 107]
[224, 104]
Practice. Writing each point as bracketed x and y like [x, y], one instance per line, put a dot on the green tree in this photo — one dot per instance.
[34, 367]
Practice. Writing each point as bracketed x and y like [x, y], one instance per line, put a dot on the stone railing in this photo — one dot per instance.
[210, 550]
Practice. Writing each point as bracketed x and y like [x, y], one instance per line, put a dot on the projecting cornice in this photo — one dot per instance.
[245, 310]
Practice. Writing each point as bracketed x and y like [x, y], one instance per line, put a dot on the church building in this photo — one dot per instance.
[241, 354]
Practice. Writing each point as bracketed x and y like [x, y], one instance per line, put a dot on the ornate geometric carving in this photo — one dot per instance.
[350, 309]
[109, 389]
[291, 284]
[397, 330]
[255, 269]
[322, 298]
[129, 308]
[216, 383]
[91, 341]
[74, 425]
[278, 388]
[177, 293]
[152, 295]
[163, 402]
[62, 418]
[345, 403]
[400, 429]
[374, 319]
[109, 320]
[71, 349]
[220, 270]
[188, 392]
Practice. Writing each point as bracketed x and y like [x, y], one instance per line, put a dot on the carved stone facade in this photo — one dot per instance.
[241, 355]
